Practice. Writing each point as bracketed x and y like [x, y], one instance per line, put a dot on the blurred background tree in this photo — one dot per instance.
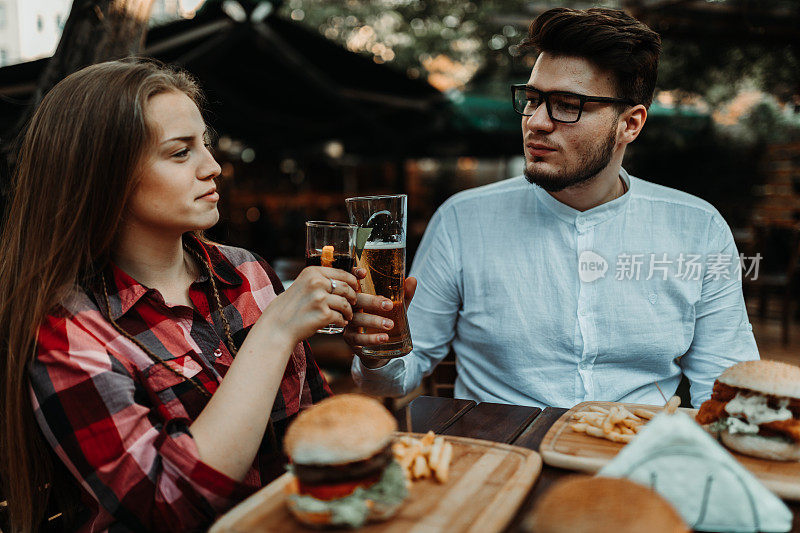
[95, 31]
[483, 36]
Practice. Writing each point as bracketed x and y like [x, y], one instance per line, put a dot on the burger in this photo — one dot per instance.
[343, 467]
[581, 504]
[755, 409]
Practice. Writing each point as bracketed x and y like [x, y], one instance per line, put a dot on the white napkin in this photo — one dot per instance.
[705, 483]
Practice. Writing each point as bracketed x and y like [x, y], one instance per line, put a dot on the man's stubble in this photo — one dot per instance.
[591, 164]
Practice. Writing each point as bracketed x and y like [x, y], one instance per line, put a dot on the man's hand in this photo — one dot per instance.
[366, 315]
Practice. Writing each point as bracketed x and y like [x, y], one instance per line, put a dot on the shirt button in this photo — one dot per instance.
[217, 353]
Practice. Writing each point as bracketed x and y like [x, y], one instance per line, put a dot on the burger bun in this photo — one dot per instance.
[763, 447]
[765, 376]
[581, 504]
[341, 429]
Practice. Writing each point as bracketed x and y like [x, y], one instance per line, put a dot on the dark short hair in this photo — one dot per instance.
[609, 38]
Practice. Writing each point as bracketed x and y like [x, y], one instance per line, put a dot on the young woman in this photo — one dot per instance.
[120, 322]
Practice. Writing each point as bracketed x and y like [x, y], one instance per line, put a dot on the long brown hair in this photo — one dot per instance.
[76, 171]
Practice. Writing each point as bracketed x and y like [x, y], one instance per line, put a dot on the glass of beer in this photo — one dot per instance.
[330, 244]
[381, 251]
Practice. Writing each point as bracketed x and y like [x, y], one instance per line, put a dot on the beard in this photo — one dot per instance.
[590, 165]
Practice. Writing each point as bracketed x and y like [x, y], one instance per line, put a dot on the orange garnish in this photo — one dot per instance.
[327, 256]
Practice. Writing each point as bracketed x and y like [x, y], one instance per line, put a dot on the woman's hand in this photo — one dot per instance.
[231, 426]
[368, 306]
[312, 302]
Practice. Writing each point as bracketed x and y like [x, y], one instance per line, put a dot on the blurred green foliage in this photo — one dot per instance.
[718, 71]
[414, 30]
[483, 36]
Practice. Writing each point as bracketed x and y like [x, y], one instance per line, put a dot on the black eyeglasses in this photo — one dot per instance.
[561, 106]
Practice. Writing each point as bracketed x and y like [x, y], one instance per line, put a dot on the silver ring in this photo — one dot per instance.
[333, 286]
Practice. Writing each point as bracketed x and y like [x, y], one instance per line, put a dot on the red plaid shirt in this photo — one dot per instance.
[120, 422]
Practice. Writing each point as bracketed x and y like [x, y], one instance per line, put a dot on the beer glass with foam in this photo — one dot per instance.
[381, 251]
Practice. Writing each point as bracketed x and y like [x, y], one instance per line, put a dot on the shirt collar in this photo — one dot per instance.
[221, 267]
[583, 220]
[124, 291]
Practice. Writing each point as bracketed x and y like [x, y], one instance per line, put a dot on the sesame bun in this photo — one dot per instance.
[764, 376]
[758, 446]
[338, 430]
[581, 504]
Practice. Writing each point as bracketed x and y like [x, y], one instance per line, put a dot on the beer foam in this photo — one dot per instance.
[382, 245]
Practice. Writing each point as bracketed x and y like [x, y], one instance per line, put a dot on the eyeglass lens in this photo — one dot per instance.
[564, 107]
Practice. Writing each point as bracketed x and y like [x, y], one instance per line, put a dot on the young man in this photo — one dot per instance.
[577, 281]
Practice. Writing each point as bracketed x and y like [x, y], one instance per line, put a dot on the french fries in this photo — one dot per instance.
[672, 405]
[442, 468]
[616, 423]
[425, 457]
[420, 468]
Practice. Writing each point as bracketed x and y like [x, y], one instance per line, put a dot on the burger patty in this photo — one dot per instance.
[714, 409]
[787, 428]
[711, 411]
[726, 393]
[330, 474]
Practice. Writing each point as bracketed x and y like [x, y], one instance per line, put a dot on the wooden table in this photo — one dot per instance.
[511, 424]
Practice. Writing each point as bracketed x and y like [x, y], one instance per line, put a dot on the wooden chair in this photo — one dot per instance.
[3, 513]
[779, 272]
[442, 381]
[56, 522]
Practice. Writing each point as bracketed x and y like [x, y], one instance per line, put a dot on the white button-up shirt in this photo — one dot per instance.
[545, 305]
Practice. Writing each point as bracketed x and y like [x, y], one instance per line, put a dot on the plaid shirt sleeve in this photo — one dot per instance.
[318, 387]
[143, 474]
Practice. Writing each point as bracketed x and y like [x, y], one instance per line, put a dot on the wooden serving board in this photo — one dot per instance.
[488, 482]
[564, 448]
